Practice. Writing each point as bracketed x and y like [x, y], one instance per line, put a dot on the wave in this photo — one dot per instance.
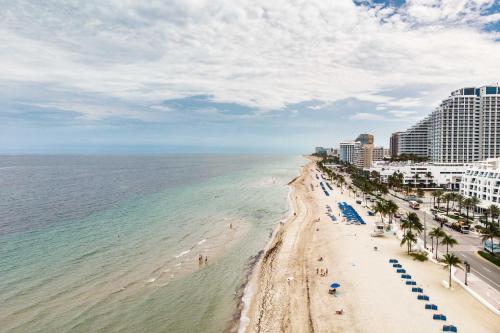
[183, 253]
[151, 280]
[202, 241]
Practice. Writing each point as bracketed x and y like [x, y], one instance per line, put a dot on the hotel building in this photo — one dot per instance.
[464, 128]
[430, 175]
[346, 151]
[482, 180]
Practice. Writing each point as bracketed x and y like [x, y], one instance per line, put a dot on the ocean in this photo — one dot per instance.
[112, 243]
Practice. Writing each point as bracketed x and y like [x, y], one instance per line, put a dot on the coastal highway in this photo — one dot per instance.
[466, 249]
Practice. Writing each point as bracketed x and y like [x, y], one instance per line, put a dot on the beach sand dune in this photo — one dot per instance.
[291, 297]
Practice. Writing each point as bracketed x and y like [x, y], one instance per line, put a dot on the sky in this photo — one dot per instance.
[232, 76]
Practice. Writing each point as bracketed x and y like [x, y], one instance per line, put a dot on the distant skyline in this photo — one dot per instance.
[232, 76]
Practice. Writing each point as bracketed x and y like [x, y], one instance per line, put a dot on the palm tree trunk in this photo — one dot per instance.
[437, 243]
[449, 280]
[446, 248]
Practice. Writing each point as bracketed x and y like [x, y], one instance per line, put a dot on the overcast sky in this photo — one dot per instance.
[232, 75]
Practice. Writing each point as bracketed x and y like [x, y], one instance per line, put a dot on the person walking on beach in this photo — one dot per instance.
[326, 272]
[206, 259]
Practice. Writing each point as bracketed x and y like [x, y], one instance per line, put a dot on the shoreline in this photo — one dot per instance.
[252, 281]
[285, 292]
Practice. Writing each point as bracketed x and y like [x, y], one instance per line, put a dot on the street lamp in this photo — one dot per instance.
[467, 270]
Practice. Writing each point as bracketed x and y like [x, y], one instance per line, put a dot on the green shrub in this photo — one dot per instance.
[420, 256]
[490, 257]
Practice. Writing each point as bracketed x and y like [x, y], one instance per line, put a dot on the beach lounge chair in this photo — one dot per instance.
[423, 297]
[393, 261]
[431, 307]
[411, 283]
[439, 317]
[449, 328]
[401, 270]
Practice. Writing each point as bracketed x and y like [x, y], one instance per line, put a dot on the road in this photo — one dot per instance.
[466, 249]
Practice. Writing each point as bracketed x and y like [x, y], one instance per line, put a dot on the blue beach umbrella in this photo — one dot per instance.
[335, 285]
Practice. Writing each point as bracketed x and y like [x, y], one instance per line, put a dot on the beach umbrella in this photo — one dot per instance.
[335, 285]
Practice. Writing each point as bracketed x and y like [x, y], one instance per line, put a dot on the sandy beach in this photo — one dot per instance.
[289, 296]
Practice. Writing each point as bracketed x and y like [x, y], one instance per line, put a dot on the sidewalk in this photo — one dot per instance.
[483, 292]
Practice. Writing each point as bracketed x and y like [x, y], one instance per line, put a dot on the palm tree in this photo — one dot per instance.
[391, 209]
[429, 177]
[448, 197]
[412, 224]
[460, 201]
[417, 177]
[380, 208]
[475, 201]
[489, 232]
[408, 238]
[449, 241]
[437, 195]
[468, 205]
[450, 260]
[494, 212]
[437, 233]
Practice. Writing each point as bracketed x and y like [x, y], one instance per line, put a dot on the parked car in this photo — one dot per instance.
[358, 201]
[397, 215]
[370, 213]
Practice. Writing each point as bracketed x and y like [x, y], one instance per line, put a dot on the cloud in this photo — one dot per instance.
[366, 116]
[247, 59]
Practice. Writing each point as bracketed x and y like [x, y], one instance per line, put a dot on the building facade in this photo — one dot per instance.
[427, 175]
[363, 155]
[365, 139]
[415, 140]
[346, 151]
[464, 128]
[379, 153]
[394, 144]
[482, 180]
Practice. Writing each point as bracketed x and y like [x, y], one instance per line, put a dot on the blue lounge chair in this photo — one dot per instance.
[401, 270]
[392, 261]
[411, 283]
[431, 307]
[449, 328]
[439, 317]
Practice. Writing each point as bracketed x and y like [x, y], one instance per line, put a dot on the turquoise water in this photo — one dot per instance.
[107, 244]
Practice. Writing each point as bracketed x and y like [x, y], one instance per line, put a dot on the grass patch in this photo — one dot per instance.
[420, 256]
[490, 257]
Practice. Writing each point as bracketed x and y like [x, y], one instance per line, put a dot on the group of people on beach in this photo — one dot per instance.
[200, 259]
[321, 271]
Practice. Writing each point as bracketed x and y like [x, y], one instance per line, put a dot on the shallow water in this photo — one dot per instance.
[108, 244]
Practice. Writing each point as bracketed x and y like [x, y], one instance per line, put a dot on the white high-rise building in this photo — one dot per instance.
[415, 140]
[346, 151]
[464, 128]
